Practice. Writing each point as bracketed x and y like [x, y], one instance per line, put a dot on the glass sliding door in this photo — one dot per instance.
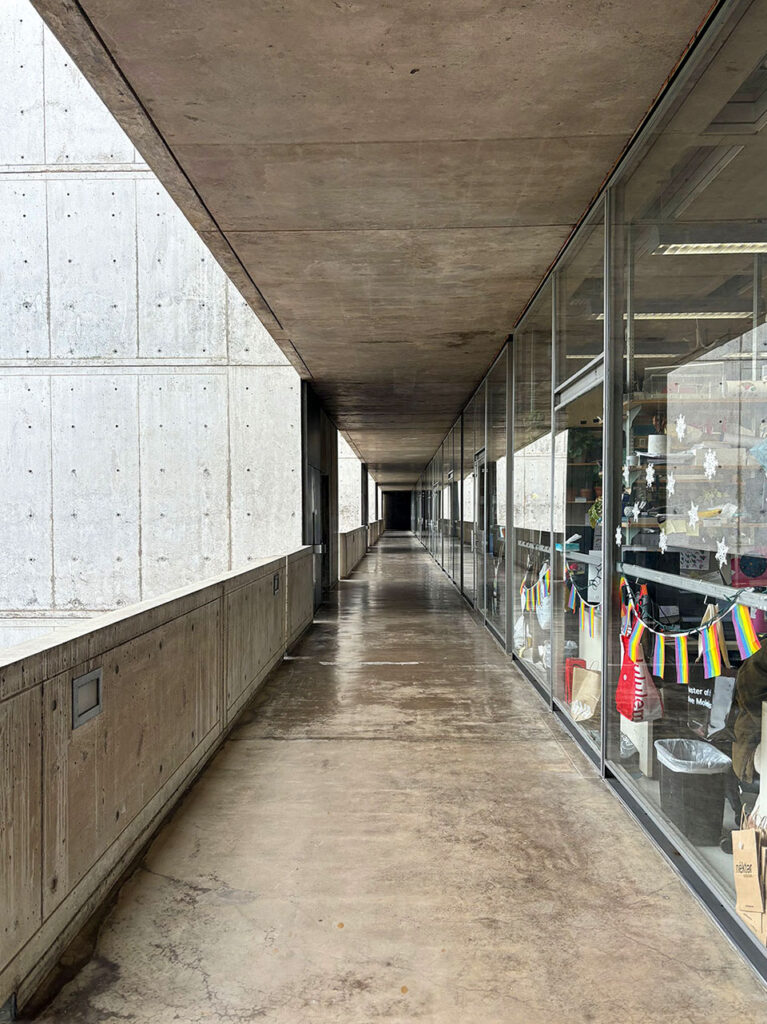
[531, 477]
[495, 527]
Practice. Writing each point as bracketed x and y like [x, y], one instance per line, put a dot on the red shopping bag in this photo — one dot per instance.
[637, 696]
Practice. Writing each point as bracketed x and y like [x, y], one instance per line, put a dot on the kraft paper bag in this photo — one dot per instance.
[746, 862]
[756, 922]
[587, 689]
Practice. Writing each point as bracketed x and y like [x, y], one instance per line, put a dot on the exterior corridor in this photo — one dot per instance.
[397, 830]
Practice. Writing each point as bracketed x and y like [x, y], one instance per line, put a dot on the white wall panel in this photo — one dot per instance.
[25, 494]
[249, 340]
[21, 75]
[79, 128]
[24, 271]
[92, 246]
[95, 490]
[182, 290]
[265, 452]
[184, 479]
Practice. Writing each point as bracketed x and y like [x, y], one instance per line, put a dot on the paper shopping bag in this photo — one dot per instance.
[587, 689]
[746, 857]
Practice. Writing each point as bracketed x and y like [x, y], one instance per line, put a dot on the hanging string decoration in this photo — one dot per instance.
[587, 610]
[745, 634]
[682, 659]
[712, 659]
[532, 596]
[710, 635]
[659, 656]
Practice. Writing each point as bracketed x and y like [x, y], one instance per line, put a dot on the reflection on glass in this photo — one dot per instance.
[580, 289]
[473, 498]
[693, 532]
[577, 578]
[495, 527]
[532, 485]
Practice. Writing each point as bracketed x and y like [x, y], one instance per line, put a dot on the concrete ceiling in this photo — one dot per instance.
[386, 183]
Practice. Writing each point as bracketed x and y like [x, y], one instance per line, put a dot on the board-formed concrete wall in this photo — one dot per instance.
[78, 801]
[150, 427]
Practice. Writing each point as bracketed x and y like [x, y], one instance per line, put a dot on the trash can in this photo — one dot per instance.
[692, 787]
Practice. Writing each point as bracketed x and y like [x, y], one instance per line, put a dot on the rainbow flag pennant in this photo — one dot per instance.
[712, 658]
[682, 660]
[572, 598]
[745, 634]
[659, 656]
[582, 616]
[635, 648]
[592, 620]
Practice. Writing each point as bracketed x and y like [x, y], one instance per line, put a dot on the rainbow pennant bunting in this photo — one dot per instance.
[712, 658]
[592, 620]
[635, 649]
[745, 634]
[659, 656]
[573, 596]
[682, 659]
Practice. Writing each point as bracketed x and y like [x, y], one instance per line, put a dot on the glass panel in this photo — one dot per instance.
[438, 509]
[577, 589]
[454, 487]
[473, 445]
[694, 516]
[532, 482]
[495, 540]
[579, 300]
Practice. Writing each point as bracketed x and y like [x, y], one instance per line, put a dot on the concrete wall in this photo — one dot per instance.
[76, 805]
[349, 488]
[149, 425]
[351, 550]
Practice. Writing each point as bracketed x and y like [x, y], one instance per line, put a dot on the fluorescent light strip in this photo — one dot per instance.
[710, 315]
[709, 248]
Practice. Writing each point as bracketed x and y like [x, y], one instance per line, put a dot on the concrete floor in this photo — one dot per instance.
[399, 831]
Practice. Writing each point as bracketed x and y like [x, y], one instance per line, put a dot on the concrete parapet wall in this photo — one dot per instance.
[78, 803]
[375, 529]
[351, 550]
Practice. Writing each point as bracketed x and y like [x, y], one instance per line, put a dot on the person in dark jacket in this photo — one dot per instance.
[750, 694]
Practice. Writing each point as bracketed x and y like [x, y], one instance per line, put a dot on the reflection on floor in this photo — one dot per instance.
[399, 831]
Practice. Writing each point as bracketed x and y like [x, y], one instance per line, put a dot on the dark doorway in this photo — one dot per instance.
[396, 510]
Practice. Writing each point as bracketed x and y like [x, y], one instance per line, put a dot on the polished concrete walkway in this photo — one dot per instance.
[399, 831]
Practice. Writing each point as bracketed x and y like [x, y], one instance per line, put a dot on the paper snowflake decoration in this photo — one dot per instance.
[635, 509]
[681, 426]
[618, 536]
[710, 463]
[721, 552]
[626, 477]
[662, 543]
[671, 483]
[650, 474]
[692, 515]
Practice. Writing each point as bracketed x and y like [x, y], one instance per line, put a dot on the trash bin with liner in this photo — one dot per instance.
[692, 787]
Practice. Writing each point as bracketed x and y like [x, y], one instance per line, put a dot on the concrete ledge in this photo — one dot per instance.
[82, 802]
[351, 550]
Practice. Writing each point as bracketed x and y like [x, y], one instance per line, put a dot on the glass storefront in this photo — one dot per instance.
[639, 473]
[495, 504]
[531, 487]
[575, 608]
